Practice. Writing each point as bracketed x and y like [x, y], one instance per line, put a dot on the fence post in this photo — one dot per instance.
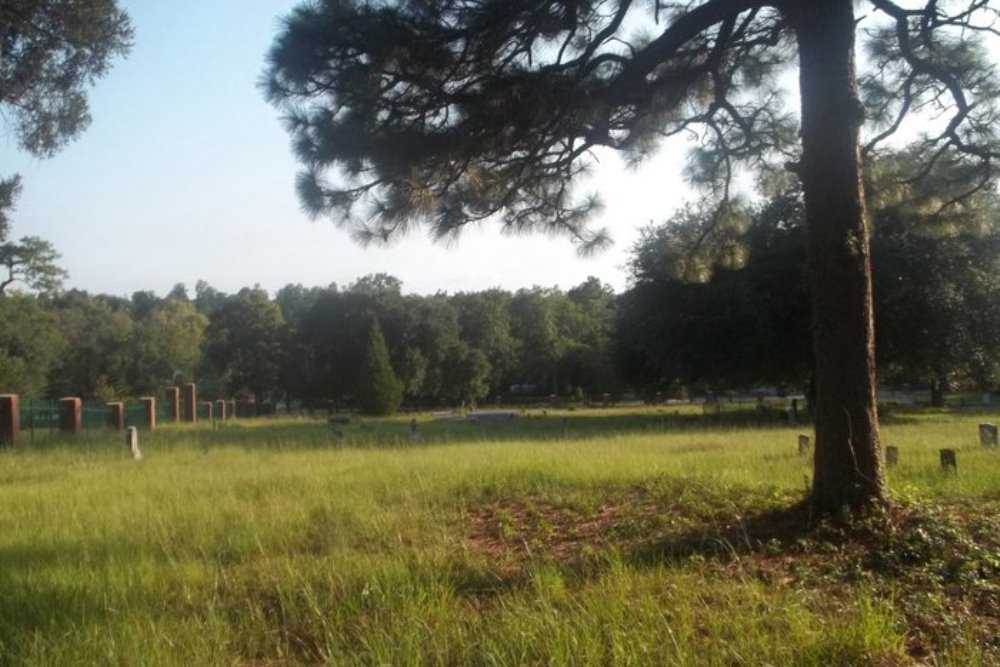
[189, 402]
[70, 415]
[116, 416]
[173, 398]
[148, 413]
[10, 419]
[208, 410]
[220, 411]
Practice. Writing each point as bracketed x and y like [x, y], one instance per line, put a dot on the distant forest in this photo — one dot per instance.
[732, 318]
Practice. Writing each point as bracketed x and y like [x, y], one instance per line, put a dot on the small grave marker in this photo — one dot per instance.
[949, 461]
[803, 445]
[988, 435]
[132, 442]
[891, 455]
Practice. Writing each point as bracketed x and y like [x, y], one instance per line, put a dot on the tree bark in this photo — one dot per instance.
[848, 467]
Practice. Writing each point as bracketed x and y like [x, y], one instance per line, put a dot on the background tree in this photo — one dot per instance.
[30, 344]
[379, 391]
[32, 262]
[94, 362]
[449, 112]
[484, 319]
[167, 339]
[244, 344]
[730, 315]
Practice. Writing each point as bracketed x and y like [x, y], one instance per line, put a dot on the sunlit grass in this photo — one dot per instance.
[292, 541]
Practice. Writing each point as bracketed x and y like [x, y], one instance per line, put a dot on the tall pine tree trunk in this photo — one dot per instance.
[848, 469]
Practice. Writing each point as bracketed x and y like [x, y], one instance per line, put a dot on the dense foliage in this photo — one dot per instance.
[379, 390]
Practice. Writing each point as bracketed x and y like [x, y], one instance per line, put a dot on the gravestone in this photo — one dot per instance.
[10, 420]
[891, 455]
[949, 460]
[803, 445]
[70, 415]
[116, 416]
[132, 442]
[988, 435]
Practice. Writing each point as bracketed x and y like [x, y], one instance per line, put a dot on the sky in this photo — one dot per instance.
[186, 174]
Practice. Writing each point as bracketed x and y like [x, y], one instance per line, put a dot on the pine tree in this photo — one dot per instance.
[379, 390]
[450, 112]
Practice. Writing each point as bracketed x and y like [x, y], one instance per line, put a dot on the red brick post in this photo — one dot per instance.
[220, 410]
[70, 415]
[10, 420]
[189, 402]
[173, 397]
[116, 416]
[148, 413]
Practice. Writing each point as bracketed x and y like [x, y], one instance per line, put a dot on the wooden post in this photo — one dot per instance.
[70, 415]
[208, 409]
[891, 455]
[173, 398]
[116, 416]
[148, 413]
[189, 403]
[232, 409]
[10, 420]
[949, 461]
[803, 445]
[220, 411]
[988, 435]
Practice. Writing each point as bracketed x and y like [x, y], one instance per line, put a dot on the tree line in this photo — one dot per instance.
[723, 311]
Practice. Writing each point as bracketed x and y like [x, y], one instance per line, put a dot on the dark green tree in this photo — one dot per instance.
[451, 111]
[379, 391]
[484, 321]
[31, 342]
[167, 341]
[31, 262]
[244, 344]
[95, 360]
[729, 315]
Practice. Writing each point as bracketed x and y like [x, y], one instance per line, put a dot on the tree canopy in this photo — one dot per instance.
[447, 112]
[51, 51]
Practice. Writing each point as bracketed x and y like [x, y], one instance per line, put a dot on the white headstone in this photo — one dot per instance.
[132, 442]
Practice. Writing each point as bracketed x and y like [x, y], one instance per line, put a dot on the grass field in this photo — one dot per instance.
[578, 538]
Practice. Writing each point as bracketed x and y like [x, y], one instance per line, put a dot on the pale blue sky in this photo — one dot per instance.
[186, 174]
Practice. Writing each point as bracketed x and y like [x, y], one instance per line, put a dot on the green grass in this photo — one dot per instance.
[579, 538]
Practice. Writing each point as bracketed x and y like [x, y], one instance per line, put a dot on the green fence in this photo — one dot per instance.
[43, 415]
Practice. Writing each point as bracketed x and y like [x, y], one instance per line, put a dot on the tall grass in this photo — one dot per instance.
[284, 542]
